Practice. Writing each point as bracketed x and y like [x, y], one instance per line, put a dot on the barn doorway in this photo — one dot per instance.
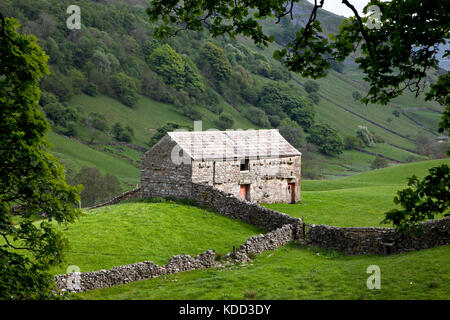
[245, 191]
[291, 192]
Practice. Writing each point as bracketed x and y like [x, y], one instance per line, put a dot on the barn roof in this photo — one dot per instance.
[233, 144]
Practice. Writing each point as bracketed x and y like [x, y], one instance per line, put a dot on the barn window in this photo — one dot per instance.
[244, 165]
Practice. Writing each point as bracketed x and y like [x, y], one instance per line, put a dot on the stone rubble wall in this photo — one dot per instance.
[382, 241]
[83, 281]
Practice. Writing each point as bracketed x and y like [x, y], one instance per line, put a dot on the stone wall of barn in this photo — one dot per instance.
[267, 178]
[161, 176]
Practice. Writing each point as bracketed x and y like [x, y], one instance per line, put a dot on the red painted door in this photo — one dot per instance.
[243, 191]
[291, 191]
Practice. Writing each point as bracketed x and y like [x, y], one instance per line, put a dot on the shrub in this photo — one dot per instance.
[98, 121]
[356, 95]
[351, 143]
[311, 86]
[379, 162]
[122, 134]
[225, 121]
[257, 116]
[314, 97]
[91, 89]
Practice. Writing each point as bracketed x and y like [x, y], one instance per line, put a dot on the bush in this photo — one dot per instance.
[314, 97]
[294, 136]
[351, 143]
[356, 95]
[98, 121]
[91, 89]
[122, 134]
[225, 121]
[379, 162]
[311, 86]
[257, 116]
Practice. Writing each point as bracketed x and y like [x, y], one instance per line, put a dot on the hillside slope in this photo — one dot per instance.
[105, 75]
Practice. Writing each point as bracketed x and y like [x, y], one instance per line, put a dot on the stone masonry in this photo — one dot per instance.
[258, 165]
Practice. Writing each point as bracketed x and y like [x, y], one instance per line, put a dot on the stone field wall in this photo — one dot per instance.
[281, 229]
[383, 241]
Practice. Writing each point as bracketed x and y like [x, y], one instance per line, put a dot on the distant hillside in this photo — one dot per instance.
[113, 86]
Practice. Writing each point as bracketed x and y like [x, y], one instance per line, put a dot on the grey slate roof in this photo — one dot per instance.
[233, 144]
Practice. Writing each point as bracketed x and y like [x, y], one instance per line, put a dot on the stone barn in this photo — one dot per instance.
[258, 165]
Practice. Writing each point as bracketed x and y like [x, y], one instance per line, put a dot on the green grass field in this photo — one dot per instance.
[357, 201]
[137, 231]
[74, 155]
[125, 234]
[297, 272]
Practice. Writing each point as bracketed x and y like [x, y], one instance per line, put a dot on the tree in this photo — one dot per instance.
[96, 187]
[326, 139]
[170, 65]
[294, 136]
[162, 131]
[215, 63]
[356, 95]
[125, 89]
[424, 199]
[122, 134]
[351, 143]
[31, 179]
[396, 113]
[311, 86]
[365, 135]
[225, 121]
[405, 37]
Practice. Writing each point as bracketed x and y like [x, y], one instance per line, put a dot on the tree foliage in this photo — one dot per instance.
[97, 188]
[424, 199]
[125, 89]
[326, 139]
[396, 51]
[31, 180]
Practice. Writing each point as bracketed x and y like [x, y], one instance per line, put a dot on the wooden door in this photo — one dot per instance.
[291, 192]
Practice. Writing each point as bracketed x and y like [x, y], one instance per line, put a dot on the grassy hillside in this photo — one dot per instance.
[138, 231]
[357, 201]
[110, 45]
[296, 272]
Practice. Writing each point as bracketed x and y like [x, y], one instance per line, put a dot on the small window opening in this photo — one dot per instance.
[244, 165]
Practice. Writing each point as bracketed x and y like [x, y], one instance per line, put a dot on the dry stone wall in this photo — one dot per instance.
[237, 208]
[83, 281]
[132, 194]
[383, 241]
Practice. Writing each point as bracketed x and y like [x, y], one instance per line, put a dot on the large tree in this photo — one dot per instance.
[397, 51]
[32, 182]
